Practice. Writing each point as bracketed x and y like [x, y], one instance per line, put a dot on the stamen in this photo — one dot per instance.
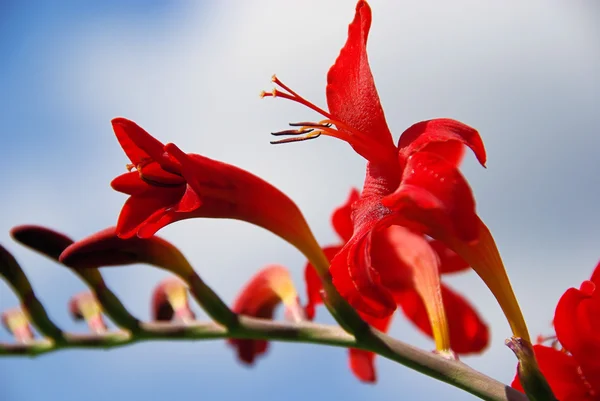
[293, 132]
[289, 94]
[368, 147]
[310, 124]
[297, 139]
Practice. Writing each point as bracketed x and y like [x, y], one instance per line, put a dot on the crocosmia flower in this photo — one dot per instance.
[268, 288]
[415, 184]
[573, 367]
[408, 266]
[169, 185]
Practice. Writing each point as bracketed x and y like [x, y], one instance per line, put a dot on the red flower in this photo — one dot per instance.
[573, 372]
[407, 267]
[259, 298]
[415, 184]
[170, 185]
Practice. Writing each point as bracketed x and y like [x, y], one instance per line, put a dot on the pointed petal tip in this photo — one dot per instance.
[362, 365]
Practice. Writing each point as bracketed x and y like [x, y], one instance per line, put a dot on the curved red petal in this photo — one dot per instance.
[249, 350]
[468, 333]
[352, 271]
[406, 261]
[341, 219]
[561, 371]
[435, 196]
[146, 208]
[130, 184]
[154, 173]
[266, 289]
[440, 136]
[138, 144]
[189, 202]
[351, 94]
[577, 324]
[484, 258]
[314, 287]
[595, 278]
[362, 363]
[450, 261]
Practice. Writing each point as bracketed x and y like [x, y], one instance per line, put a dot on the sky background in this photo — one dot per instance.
[525, 74]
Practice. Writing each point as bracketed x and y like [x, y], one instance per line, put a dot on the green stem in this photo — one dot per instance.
[453, 372]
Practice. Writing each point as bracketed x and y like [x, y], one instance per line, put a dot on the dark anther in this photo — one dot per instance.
[288, 140]
[310, 124]
[293, 132]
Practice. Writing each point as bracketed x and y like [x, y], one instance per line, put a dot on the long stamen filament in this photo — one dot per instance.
[293, 96]
[370, 149]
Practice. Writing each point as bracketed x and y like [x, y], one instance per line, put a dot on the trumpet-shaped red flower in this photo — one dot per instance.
[408, 267]
[573, 372]
[415, 184]
[268, 288]
[169, 185]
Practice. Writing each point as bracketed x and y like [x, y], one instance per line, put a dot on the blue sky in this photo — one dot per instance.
[525, 75]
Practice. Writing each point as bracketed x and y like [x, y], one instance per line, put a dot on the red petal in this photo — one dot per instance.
[138, 144]
[450, 262]
[267, 288]
[561, 372]
[406, 261]
[341, 219]
[147, 208]
[484, 258]
[130, 184]
[468, 333]
[362, 363]
[596, 275]
[351, 94]
[353, 274]
[189, 202]
[434, 196]
[440, 136]
[314, 288]
[577, 324]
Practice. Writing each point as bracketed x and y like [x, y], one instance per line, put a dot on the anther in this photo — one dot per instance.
[293, 132]
[310, 124]
[296, 139]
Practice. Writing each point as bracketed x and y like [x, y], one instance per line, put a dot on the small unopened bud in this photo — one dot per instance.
[170, 301]
[16, 322]
[85, 306]
[532, 380]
